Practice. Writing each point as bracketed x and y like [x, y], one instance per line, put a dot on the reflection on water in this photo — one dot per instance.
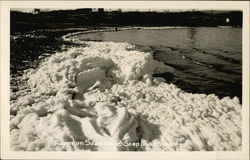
[192, 33]
[206, 60]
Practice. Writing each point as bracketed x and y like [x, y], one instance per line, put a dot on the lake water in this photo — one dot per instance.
[206, 60]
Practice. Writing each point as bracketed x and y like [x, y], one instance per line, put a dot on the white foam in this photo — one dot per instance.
[104, 95]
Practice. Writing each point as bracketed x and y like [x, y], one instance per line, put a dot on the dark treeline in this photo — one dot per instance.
[87, 17]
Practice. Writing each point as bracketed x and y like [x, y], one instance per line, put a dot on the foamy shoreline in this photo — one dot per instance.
[105, 92]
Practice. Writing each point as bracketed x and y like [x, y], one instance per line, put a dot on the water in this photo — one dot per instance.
[206, 60]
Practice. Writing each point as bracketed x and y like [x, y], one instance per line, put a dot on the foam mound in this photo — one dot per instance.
[103, 97]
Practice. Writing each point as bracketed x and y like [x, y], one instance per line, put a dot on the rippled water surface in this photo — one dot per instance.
[206, 60]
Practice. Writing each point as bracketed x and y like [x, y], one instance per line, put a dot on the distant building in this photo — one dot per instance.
[100, 10]
[227, 20]
[36, 11]
[85, 10]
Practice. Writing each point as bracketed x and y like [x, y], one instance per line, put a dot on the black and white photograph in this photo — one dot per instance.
[91, 78]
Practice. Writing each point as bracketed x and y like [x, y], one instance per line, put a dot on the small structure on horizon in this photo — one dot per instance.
[37, 11]
[85, 10]
[227, 20]
[101, 10]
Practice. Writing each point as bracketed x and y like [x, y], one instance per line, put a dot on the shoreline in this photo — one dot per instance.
[70, 36]
[195, 89]
[110, 29]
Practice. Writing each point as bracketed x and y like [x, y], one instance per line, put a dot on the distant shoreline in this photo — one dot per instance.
[91, 29]
[87, 18]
